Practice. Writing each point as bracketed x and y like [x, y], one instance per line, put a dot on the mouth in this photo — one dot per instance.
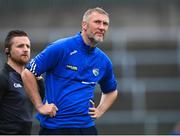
[100, 34]
[25, 56]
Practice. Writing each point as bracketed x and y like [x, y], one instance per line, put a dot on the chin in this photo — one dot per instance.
[25, 61]
[99, 39]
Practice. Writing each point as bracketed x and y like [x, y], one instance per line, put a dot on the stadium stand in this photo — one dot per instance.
[143, 44]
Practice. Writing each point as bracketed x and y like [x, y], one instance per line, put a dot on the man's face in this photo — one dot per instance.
[96, 27]
[20, 50]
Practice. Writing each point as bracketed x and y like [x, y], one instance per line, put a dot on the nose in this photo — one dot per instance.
[26, 48]
[101, 26]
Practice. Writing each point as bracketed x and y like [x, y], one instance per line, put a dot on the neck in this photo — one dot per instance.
[17, 67]
[88, 41]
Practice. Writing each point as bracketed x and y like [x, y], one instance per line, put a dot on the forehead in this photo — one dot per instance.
[20, 40]
[98, 16]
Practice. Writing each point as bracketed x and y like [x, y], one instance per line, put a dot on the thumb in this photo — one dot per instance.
[91, 101]
[46, 102]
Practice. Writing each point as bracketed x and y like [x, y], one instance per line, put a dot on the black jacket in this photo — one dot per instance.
[16, 109]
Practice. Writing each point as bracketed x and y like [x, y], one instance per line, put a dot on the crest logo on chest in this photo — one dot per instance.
[95, 71]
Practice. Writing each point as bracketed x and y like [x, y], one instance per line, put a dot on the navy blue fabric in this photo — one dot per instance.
[15, 107]
[69, 131]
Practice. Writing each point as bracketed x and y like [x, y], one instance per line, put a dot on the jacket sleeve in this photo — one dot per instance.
[108, 83]
[3, 85]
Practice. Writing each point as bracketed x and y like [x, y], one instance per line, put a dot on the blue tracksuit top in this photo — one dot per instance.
[72, 69]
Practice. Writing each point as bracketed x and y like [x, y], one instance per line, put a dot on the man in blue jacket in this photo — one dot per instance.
[73, 67]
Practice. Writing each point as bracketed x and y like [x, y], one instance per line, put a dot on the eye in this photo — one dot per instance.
[20, 45]
[28, 46]
[105, 23]
[97, 21]
[23, 45]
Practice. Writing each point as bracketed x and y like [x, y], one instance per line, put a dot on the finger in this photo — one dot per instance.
[93, 116]
[52, 113]
[56, 108]
[91, 113]
[91, 101]
[53, 110]
[92, 109]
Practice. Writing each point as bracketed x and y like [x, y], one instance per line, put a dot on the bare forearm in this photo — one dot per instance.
[31, 87]
[106, 101]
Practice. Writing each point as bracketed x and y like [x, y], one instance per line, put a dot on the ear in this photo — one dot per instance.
[7, 51]
[84, 25]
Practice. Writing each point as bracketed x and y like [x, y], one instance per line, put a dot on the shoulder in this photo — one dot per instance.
[103, 56]
[63, 45]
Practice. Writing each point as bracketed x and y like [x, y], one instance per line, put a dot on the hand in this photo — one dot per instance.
[93, 111]
[48, 109]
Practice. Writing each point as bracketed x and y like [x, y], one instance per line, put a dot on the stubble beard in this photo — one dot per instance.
[21, 61]
[98, 39]
[95, 39]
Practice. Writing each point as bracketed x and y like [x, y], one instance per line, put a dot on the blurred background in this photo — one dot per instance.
[143, 43]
